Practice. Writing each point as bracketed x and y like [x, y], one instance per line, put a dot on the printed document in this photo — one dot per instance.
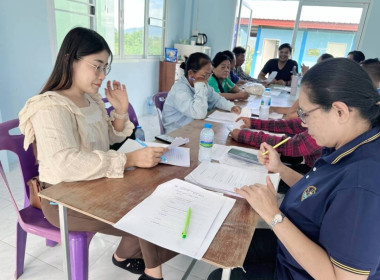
[160, 218]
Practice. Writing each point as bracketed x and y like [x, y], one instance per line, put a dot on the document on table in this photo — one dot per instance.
[224, 178]
[229, 117]
[160, 218]
[179, 156]
[273, 116]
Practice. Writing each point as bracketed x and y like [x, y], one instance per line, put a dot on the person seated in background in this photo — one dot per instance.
[356, 56]
[191, 97]
[291, 112]
[233, 77]
[324, 56]
[372, 67]
[220, 82]
[238, 70]
[283, 65]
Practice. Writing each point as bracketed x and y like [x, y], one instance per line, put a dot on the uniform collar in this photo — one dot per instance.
[332, 156]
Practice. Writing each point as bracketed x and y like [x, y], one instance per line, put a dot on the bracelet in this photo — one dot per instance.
[115, 115]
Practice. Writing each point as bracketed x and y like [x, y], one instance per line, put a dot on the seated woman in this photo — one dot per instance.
[191, 97]
[219, 80]
[283, 65]
[325, 225]
[233, 77]
[73, 134]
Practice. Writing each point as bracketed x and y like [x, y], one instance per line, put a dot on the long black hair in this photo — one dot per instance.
[219, 58]
[195, 62]
[78, 42]
[341, 79]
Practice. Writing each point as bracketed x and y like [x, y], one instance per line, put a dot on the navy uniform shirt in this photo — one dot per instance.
[337, 205]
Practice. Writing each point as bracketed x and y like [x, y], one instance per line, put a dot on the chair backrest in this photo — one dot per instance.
[131, 112]
[15, 143]
[159, 99]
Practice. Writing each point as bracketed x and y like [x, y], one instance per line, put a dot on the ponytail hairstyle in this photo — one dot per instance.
[195, 62]
[78, 43]
[342, 79]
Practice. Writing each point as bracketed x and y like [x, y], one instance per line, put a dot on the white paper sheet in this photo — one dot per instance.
[164, 212]
[224, 178]
[179, 156]
[273, 116]
[271, 76]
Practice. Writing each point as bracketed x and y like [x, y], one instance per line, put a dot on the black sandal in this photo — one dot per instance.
[136, 266]
[147, 277]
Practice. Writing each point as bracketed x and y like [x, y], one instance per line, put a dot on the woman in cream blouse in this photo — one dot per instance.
[73, 133]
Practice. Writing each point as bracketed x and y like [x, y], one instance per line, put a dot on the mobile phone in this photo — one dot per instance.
[165, 138]
[243, 155]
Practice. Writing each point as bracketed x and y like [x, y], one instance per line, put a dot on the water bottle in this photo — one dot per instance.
[206, 140]
[266, 98]
[139, 133]
[264, 112]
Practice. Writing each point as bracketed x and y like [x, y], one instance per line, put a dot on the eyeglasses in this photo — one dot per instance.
[99, 69]
[302, 115]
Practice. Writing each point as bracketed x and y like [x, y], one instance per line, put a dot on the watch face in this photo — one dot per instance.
[278, 218]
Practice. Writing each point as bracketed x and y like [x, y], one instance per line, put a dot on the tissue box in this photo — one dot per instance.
[171, 54]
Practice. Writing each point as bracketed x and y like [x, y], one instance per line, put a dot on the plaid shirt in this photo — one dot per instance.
[238, 71]
[301, 144]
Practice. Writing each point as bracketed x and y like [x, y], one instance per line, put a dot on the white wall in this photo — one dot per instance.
[370, 43]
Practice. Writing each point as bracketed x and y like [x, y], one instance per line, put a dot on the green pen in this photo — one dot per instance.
[184, 232]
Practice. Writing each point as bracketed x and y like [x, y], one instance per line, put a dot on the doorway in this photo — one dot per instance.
[269, 51]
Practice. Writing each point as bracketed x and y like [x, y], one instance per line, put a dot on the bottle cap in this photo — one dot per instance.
[138, 126]
[208, 125]
[267, 89]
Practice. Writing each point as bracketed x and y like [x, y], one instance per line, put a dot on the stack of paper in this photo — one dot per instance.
[179, 156]
[228, 117]
[160, 218]
[224, 178]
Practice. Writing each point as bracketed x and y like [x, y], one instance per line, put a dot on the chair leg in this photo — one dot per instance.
[79, 258]
[50, 243]
[20, 250]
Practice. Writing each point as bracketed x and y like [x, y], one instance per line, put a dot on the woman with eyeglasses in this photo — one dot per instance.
[73, 133]
[326, 227]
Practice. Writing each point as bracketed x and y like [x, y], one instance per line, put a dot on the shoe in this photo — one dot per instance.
[147, 277]
[136, 266]
[236, 274]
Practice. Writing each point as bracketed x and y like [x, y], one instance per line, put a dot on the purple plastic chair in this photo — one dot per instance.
[159, 100]
[131, 112]
[32, 220]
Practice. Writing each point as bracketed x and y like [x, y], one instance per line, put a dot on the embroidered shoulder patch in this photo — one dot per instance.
[309, 191]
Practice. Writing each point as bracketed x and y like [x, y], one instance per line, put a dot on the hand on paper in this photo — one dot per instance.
[279, 82]
[241, 95]
[117, 96]
[236, 110]
[262, 198]
[247, 122]
[271, 160]
[146, 157]
[235, 134]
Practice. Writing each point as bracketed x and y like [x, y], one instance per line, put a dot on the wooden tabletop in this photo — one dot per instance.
[109, 200]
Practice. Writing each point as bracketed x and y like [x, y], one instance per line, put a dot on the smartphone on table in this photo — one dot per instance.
[243, 155]
[165, 138]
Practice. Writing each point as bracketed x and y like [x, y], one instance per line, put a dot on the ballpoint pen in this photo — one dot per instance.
[187, 221]
[277, 145]
[145, 145]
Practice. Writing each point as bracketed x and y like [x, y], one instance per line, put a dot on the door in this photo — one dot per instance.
[270, 47]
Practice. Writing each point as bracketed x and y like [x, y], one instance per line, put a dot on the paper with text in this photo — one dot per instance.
[160, 217]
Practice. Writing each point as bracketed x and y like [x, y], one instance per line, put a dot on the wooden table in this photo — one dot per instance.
[109, 200]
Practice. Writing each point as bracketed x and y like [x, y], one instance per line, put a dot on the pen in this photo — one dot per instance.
[187, 221]
[145, 145]
[277, 145]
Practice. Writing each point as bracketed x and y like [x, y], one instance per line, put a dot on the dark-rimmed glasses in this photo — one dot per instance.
[303, 115]
[99, 69]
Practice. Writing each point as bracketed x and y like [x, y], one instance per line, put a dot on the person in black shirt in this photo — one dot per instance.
[283, 65]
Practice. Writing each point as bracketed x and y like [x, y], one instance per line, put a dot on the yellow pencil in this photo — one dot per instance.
[277, 145]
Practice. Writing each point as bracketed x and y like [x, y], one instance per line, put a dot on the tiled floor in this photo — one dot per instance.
[43, 262]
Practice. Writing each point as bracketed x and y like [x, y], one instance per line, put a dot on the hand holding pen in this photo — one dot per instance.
[147, 157]
[269, 157]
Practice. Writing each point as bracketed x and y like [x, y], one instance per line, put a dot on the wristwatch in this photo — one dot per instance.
[278, 218]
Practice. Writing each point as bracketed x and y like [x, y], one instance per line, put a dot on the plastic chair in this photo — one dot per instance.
[131, 112]
[32, 220]
[159, 100]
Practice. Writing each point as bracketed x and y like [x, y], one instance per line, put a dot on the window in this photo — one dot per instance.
[132, 28]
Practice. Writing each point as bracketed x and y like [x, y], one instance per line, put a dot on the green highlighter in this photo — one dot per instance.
[187, 221]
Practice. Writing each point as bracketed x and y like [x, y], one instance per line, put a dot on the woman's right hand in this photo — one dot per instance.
[145, 158]
[241, 95]
[271, 160]
[247, 122]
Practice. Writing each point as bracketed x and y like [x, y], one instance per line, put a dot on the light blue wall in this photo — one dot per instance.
[370, 43]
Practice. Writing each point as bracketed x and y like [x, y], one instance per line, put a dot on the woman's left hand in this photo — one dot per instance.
[236, 110]
[262, 198]
[117, 96]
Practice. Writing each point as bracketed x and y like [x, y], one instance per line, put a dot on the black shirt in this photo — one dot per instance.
[283, 74]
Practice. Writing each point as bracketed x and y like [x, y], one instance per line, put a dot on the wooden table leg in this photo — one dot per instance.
[65, 241]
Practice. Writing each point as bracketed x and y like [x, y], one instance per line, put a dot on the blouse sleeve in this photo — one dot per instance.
[59, 147]
[119, 136]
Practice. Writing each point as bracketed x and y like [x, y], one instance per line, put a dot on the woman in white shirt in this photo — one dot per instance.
[73, 133]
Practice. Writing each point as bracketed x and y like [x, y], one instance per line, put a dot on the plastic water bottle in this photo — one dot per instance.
[139, 133]
[206, 140]
[264, 112]
[266, 98]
